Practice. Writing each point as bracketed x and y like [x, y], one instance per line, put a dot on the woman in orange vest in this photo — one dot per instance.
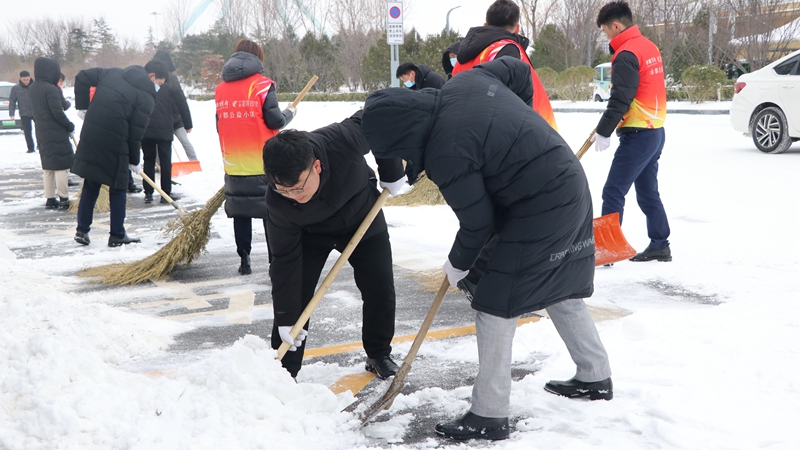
[247, 116]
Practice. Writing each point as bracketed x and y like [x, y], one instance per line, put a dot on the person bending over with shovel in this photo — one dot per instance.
[321, 191]
[502, 169]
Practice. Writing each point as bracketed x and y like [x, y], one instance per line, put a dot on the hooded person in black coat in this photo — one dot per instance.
[181, 115]
[53, 130]
[111, 137]
[157, 139]
[450, 58]
[322, 189]
[502, 169]
[419, 76]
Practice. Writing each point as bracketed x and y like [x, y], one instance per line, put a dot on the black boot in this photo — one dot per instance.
[473, 426]
[572, 388]
[134, 189]
[51, 203]
[63, 202]
[114, 241]
[82, 238]
[651, 254]
[383, 366]
[244, 267]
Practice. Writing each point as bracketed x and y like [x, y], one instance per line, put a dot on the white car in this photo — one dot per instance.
[766, 104]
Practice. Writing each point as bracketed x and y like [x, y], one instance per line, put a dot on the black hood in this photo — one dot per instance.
[410, 116]
[240, 66]
[138, 78]
[47, 70]
[448, 68]
[478, 38]
[165, 58]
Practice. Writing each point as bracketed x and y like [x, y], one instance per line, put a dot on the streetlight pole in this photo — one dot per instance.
[155, 16]
[447, 25]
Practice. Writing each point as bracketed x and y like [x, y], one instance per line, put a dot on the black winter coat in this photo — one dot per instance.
[181, 116]
[245, 195]
[19, 99]
[159, 127]
[115, 121]
[501, 168]
[52, 126]
[478, 38]
[426, 78]
[448, 68]
[346, 193]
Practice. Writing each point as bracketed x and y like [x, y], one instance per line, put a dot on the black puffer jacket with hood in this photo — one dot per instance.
[502, 169]
[448, 68]
[111, 137]
[52, 125]
[181, 116]
[245, 195]
[426, 78]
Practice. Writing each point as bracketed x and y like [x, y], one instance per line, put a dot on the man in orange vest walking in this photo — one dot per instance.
[499, 37]
[636, 108]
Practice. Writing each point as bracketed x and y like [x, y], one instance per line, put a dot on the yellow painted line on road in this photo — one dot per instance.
[433, 335]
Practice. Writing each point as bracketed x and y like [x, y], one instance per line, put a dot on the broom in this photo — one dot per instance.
[424, 192]
[102, 204]
[193, 230]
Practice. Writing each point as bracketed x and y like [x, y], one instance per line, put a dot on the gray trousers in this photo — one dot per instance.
[492, 389]
[183, 136]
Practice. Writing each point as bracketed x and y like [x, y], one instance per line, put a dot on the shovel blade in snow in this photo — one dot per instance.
[610, 245]
[185, 168]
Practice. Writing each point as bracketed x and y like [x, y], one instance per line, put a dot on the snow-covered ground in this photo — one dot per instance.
[703, 349]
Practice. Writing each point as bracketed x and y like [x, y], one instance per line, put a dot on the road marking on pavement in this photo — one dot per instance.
[432, 335]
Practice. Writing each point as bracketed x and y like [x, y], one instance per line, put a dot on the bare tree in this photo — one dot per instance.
[576, 19]
[176, 19]
[23, 37]
[358, 15]
[234, 17]
[534, 14]
[353, 48]
[669, 23]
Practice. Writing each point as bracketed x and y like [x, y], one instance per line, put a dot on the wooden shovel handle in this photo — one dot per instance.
[304, 91]
[323, 288]
[586, 144]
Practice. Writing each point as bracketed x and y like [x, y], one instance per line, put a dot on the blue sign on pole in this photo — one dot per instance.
[394, 12]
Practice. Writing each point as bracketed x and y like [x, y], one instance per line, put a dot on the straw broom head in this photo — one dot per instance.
[424, 192]
[191, 232]
[102, 205]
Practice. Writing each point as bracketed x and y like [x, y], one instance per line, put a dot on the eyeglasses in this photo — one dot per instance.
[295, 191]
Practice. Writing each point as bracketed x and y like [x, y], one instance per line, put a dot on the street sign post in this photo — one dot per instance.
[394, 36]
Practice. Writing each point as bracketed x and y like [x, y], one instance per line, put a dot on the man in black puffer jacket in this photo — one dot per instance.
[181, 116]
[110, 141]
[53, 131]
[502, 169]
[157, 140]
[419, 76]
[322, 189]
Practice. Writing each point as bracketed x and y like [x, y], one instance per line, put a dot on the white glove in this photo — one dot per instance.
[82, 114]
[394, 186]
[601, 142]
[136, 169]
[286, 336]
[453, 275]
[293, 109]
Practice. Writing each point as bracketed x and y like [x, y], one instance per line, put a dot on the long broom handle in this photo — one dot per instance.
[586, 144]
[304, 91]
[163, 194]
[423, 330]
[312, 304]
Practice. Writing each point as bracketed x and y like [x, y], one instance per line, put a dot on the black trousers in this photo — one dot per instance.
[372, 268]
[151, 148]
[243, 234]
[27, 129]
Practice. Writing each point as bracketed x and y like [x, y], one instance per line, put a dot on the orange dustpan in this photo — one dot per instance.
[610, 245]
[180, 167]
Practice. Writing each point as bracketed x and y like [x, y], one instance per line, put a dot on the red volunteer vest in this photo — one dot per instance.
[649, 106]
[541, 102]
[242, 131]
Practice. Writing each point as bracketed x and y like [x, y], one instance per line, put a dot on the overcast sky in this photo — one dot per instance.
[133, 19]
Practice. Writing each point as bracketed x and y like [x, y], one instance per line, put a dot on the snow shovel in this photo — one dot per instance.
[610, 245]
[181, 167]
[337, 267]
[399, 379]
[180, 209]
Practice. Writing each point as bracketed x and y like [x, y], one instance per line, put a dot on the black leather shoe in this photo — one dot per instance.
[148, 198]
[467, 287]
[82, 238]
[173, 197]
[650, 254]
[473, 426]
[572, 388]
[51, 203]
[114, 241]
[63, 202]
[71, 183]
[384, 367]
[244, 267]
[134, 189]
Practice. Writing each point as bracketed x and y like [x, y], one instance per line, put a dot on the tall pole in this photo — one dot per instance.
[155, 16]
[447, 23]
